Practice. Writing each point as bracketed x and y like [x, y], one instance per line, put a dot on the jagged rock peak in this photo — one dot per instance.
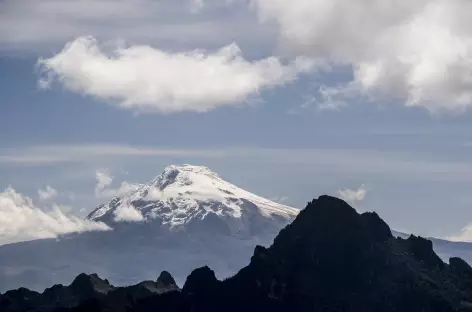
[92, 282]
[379, 229]
[460, 266]
[165, 279]
[330, 220]
[422, 250]
[326, 202]
[338, 209]
[201, 280]
[328, 208]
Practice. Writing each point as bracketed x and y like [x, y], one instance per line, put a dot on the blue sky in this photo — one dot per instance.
[401, 135]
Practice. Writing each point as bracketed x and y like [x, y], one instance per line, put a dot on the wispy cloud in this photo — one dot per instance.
[103, 189]
[103, 180]
[395, 164]
[47, 193]
[353, 195]
[53, 154]
[330, 98]
[21, 220]
[464, 235]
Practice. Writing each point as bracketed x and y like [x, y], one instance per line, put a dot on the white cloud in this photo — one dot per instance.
[147, 79]
[20, 220]
[47, 193]
[353, 195]
[465, 235]
[125, 188]
[126, 212]
[418, 52]
[104, 180]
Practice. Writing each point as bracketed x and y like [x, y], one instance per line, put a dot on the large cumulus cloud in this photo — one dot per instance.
[415, 52]
[148, 79]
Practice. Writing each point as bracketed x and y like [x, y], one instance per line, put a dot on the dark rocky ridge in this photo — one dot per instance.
[85, 289]
[329, 259]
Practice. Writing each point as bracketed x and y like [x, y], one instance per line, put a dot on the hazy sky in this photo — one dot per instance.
[368, 99]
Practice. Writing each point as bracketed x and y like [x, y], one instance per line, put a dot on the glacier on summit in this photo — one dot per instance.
[186, 194]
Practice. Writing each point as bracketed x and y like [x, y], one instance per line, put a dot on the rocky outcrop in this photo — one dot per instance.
[88, 291]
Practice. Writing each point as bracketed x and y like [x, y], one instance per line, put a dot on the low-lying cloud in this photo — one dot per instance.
[20, 220]
[465, 235]
[127, 213]
[103, 189]
[147, 79]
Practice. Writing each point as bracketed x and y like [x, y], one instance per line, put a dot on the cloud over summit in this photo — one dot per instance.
[147, 79]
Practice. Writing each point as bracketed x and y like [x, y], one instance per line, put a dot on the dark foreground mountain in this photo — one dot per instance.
[83, 291]
[329, 259]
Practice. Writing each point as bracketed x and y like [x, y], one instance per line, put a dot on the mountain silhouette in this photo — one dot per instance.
[330, 258]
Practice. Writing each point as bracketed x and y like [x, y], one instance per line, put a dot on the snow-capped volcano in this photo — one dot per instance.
[184, 218]
[186, 194]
